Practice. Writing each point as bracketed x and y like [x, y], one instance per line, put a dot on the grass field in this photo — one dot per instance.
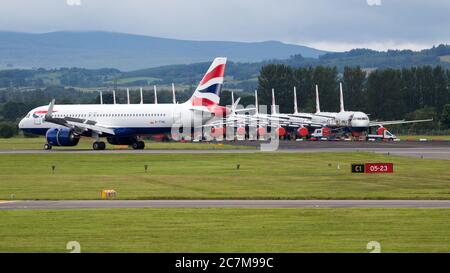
[226, 230]
[418, 137]
[215, 176]
[21, 143]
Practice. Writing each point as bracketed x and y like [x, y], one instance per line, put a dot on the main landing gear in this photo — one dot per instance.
[47, 146]
[98, 145]
[138, 145]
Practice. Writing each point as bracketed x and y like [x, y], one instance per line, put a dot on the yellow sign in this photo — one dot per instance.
[108, 194]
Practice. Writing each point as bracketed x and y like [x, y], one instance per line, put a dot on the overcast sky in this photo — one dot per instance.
[326, 24]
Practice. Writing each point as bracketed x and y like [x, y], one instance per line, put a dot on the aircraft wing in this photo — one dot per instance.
[394, 122]
[77, 124]
[306, 124]
[299, 116]
[247, 120]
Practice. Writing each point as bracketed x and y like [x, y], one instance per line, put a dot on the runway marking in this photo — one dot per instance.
[101, 204]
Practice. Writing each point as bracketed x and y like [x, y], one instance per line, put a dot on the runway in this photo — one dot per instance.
[431, 150]
[104, 204]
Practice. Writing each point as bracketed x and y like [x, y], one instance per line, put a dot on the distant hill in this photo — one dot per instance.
[130, 52]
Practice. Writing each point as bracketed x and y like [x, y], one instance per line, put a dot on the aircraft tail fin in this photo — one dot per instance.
[156, 95]
[317, 99]
[295, 101]
[274, 107]
[174, 98]
[341, 97]
[208, 90]
[256, 101]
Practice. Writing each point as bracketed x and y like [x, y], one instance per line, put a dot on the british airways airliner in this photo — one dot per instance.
[125, 124]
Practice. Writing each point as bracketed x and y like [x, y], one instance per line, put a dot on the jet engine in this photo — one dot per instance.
[281, 132]
[61, 137]
[261, 131]
[217, 131]
[240, 131]
[302, 132]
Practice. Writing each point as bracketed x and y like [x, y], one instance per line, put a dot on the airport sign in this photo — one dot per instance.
[373, 168]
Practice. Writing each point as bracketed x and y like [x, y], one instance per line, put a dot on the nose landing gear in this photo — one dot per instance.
[47, 147]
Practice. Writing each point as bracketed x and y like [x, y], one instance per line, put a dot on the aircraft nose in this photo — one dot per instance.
[21, 124]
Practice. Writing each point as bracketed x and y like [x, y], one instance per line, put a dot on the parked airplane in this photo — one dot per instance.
[125, 124]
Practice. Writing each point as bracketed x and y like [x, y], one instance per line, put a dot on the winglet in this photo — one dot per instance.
[48, 115]
[234, 105]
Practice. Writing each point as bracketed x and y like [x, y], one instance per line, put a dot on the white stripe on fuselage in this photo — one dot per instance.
[114, 115]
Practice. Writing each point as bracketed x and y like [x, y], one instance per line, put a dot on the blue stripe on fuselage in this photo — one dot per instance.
[118, 131]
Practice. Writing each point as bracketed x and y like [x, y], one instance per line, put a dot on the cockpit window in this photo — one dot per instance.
[28, 115]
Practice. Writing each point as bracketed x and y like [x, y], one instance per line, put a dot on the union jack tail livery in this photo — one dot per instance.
[208, 90]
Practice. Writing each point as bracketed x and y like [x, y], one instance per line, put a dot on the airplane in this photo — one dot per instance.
[125, 124]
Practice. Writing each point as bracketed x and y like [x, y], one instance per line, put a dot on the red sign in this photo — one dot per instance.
[379, 167]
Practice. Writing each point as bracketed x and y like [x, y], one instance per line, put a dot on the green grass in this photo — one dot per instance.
[226, 230]
[22, 143]
[418, 137]
[214, 176]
